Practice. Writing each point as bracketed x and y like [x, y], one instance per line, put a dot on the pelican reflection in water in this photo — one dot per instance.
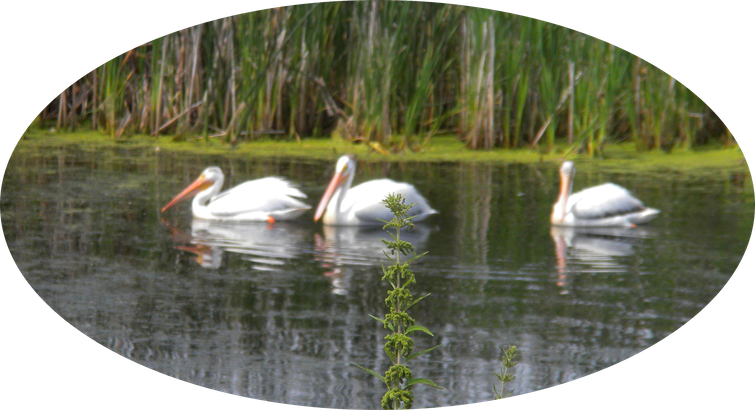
[341, 248]
[594, 250]
[267, 247]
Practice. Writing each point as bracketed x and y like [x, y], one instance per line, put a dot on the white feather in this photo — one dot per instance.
[602, 205]
[362, 204]
[258, 200]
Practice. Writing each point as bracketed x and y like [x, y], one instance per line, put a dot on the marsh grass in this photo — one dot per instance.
[393, 74]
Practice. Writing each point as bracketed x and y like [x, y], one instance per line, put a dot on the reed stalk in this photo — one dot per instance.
[392, 73]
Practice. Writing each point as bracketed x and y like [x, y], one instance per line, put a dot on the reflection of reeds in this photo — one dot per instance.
[388, 72]
[474, 209]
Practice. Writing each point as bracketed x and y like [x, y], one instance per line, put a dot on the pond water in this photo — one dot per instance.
[280, 312]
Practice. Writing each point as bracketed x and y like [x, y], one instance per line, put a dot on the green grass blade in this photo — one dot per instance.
[372, 372]
[421, 353]
[422, 380]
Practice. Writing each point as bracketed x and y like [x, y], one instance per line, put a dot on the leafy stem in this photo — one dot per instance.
[399, 345]
[507, 361]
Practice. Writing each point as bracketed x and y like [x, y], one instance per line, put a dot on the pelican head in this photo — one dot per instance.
[568, 169]
[208, 183]
[345, 169]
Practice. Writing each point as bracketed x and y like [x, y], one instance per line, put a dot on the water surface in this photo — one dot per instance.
[279, 312]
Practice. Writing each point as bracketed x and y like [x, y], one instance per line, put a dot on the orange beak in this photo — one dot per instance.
[196, 187]
[334, 183]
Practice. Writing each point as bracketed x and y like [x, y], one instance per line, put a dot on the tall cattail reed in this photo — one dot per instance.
[394, 73]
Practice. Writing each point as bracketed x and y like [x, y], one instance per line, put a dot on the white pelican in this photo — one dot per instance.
[361, 205]
[267, 199]
[603, 205]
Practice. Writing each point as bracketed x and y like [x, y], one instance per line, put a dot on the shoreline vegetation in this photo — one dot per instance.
[396, 77]
[442, 148]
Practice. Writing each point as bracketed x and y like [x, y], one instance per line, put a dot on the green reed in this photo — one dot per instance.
[399, 345]
[393, 73]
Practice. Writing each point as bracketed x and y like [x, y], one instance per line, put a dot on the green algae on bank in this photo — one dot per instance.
[442, 148]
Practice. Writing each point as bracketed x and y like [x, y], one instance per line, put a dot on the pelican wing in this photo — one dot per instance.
[261, 195]
[366, 200]
[373, 213]
[603, 201]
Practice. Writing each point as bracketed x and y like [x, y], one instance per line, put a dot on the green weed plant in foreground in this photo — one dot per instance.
[399, 345]
[507, 361]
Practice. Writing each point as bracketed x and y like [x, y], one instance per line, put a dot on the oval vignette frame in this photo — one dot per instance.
[674, 358]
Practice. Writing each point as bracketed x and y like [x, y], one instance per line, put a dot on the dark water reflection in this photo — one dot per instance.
[279, 312]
